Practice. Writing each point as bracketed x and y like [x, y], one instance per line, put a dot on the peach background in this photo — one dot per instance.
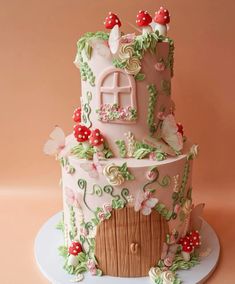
[40, 87]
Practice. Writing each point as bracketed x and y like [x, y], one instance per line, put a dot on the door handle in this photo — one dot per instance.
[134, 248]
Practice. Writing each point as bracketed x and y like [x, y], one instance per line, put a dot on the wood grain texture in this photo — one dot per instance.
[129, 243]
[133, 219]
[111, 245]
[100, 248]
[122, 242]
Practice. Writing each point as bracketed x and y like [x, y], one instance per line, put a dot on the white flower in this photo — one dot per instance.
[168, 277]
[113, 175]
[126, 51]
[133, 66]
[154, 273]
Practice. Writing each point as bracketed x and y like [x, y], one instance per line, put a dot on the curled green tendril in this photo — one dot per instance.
[124, 194]
[109, 189]
[97, 190]
[82, 184]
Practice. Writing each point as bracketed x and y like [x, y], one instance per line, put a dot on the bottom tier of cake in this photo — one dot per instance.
[123, 216]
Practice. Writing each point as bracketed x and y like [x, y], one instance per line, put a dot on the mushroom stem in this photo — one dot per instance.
[185, 255]
[72, 260]
[147, 30]
[85, 145]
[161, 28]
[99, 148]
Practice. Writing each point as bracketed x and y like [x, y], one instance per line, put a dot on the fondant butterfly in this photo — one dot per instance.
[170, 134]
[93, 168]
[145, 202]
[72, 197]
[56, 143]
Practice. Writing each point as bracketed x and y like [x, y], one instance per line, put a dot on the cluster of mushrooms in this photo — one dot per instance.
[144, 20]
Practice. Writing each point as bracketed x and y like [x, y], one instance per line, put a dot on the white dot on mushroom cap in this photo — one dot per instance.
[85, 133]
[79, 129]
[161, 8]
[165, 10]
[110, 17]
[110, 22]
[145, 12]
[96, 141]
[194, 238]
[83, 136]
[140, 11]
[80, 136]
[102, 139]
[116, 21]
[136, 21]
[97, 134]
[188, 247]
[144, 18]
[165, 17]
[77, 247]
[74, 251]
[110, 13]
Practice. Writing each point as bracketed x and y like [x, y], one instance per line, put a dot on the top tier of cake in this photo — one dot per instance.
[126, 91]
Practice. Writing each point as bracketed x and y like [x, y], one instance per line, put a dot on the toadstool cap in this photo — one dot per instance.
[75, 248]
[81, 132]
[162, 16]
[112, 20]
[195, 239]
[96, 138]
[77, 115]
[143, 18]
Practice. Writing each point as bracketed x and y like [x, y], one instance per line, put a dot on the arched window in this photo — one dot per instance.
[116, 93]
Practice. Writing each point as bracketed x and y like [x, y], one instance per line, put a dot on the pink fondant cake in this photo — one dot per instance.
[126, 169]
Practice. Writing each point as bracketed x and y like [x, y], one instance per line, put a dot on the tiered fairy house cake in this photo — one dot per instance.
[126, 169]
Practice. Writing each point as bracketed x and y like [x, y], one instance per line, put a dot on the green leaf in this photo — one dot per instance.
[139, 77]
[63, 251]
[81, 257]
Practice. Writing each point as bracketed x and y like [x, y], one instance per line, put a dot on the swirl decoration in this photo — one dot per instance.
[82, 184]
[166, 181]
[155, 179]
[113, 175]
[86, 111]
[133, 66]
[124, 194]
[126, 51]
[109, 190]
[97, 190]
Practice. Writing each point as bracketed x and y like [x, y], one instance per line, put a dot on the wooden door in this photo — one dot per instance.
[129, 243]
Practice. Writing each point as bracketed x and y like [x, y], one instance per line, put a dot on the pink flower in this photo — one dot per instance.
[168, 261]
[83, 231]
[107, 207]
[161, 115]
[72, 197]
[160, 66]
[101, 216]
[152, 156]
[91, 266]
[177, 208]
[128, 38]
[151, 175]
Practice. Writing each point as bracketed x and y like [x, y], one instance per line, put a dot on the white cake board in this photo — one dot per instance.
[51, 264]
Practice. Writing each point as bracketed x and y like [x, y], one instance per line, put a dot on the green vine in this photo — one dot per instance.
[86, 111]
[82, 184]
[166, 87]
[166, 213]
[151, 108]
[170, 59]
[83, 152]
[122, 148]
[73, 230]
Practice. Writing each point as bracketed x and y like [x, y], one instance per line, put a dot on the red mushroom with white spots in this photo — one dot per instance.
[143, 20]
[161, 19]
[82, 133]
[74, 249]
[189, 243]
[112, 20]
[96, 139]
[77, 115]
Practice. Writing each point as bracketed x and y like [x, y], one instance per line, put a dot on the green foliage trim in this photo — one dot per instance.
[73, 231]
[180, 263]
[166, 87]
[122, 148]
[166, 213]
[60, 225]
[125, 172]
[180, 196]
[153, 93]
[82, 152]
[139, 77]
[170, 59]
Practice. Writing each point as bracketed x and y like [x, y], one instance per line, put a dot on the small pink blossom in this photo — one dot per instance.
[83, 231]
[101, 215]
[128, 38]
[152, 156]
[151, 175]
[107, 207]
[91, 266]
[160, 66]
[177, 208]
[168, 261]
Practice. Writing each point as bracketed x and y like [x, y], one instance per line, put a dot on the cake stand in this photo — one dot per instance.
[51, 264]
